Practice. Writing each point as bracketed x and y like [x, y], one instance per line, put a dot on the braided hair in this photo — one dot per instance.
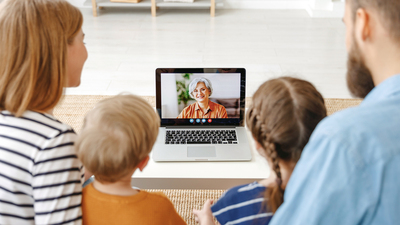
[284, 113]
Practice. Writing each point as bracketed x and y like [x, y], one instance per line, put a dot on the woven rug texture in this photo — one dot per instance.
[187, 200]
[73, 109]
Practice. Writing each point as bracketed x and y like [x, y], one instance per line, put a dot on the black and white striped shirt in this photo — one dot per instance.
[40, 175]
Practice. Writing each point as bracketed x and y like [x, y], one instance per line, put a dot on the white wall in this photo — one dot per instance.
[77, 3]
[169, 102]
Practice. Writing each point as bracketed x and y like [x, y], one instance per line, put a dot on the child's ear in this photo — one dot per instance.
[143, 163]
[257, 145]
[260, 149]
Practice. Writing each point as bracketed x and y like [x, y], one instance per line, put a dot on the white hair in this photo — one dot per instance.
[194, 82]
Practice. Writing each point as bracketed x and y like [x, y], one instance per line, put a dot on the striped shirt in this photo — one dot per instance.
[242, 205]
[40, 175]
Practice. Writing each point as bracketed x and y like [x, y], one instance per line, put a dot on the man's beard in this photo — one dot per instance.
[359, 77]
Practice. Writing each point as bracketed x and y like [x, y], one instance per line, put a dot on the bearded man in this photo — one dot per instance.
[349, 172]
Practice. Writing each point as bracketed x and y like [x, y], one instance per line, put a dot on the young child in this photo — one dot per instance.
[284, 113]
[116, 140]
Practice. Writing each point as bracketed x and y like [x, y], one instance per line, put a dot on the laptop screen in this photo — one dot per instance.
[200, 97]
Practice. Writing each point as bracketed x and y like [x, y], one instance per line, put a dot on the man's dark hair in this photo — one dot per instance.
[388, 10]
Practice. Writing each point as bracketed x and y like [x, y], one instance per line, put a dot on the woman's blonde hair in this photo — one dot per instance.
[34, 37]
[117, 135]
[284, 113]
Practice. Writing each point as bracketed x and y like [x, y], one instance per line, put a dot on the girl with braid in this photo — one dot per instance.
[284, 113]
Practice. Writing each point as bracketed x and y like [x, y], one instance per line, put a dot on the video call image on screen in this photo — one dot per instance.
[200, 95]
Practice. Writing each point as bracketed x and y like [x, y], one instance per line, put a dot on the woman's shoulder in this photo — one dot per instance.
[44, 124]
[217, 105]
[193, 105]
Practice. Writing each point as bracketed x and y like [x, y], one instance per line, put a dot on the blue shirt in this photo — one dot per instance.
[349, 172]
[242, 205]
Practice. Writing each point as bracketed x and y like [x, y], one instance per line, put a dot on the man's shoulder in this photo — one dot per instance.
[367, 132]
[339, 123]
[364, 118]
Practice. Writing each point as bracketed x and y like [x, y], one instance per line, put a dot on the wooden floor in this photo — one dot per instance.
[126, 45]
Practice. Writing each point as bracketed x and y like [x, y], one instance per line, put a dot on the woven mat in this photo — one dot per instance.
[73, 108]
[187, 200]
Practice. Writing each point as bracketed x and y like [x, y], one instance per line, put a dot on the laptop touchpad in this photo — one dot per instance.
[201, 151]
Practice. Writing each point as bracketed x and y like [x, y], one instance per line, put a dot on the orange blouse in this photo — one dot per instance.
[214, 110]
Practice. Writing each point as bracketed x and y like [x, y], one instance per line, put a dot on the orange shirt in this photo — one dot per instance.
[143, 208]
[214, 110]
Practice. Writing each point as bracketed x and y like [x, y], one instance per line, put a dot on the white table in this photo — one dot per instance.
[201, 175]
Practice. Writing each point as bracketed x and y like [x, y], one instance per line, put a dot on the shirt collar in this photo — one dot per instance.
[386, 89]
[211, 106]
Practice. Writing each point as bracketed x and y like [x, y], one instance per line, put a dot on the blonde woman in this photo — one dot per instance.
[41, 53]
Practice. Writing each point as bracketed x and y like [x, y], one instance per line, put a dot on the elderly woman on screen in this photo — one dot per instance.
[201, 89]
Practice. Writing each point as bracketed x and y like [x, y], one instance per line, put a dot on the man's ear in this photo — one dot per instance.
[143, 163]
[362, 27]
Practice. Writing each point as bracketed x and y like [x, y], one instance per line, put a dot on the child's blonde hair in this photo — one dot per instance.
[117, 135]
[284, 113]
[34, 36]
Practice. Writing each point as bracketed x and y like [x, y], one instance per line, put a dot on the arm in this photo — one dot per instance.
[223, 113]
[180, 116]
[204, 216]
[183, 114]
[56, 183]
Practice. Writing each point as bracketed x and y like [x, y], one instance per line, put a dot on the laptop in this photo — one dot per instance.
[202, 115]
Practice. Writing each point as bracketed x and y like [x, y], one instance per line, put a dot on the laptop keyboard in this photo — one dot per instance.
[201, 137]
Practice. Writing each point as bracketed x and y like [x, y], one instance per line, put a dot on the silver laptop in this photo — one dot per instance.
[202, 115]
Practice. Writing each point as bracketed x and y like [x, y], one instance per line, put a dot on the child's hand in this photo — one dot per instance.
[204, 216]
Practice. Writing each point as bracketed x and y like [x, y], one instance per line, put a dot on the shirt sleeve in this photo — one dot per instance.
[328, 184]
[219, 205]
[180, 116]
[57, 182]
[183, 114]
